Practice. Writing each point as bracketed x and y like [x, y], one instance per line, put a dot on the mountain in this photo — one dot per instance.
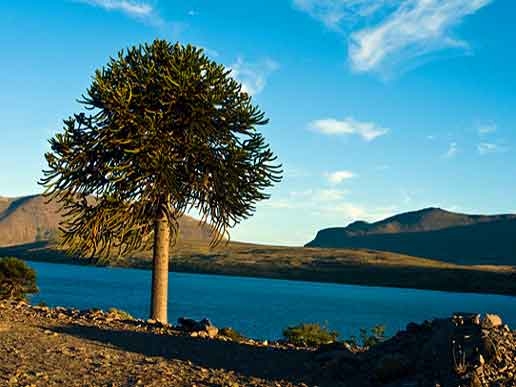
[31, 219]
[432, 233]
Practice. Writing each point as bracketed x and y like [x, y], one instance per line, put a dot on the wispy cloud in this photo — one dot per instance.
[388, 36]
[486, 129]
[331, 204]
[311, 199]
[349, 212]
[485, 148]
[452, 150]
[253, 76]
[333, 12]
[407, 196]
[338, 177]
[330, 126]
[416, 28]
[140, 10]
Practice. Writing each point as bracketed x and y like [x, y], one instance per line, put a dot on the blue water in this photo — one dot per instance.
[258, 307]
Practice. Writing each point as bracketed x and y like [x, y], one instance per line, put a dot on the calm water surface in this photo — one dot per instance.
[258, 307]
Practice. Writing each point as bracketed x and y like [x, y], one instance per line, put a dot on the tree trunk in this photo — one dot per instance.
[160, 269]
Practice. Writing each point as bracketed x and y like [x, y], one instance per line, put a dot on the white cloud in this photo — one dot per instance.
[385, 36]
[486, 129]
[416, 28]
[135, 9]
[333, 12]
[348, 212]
[452, 150]
[329, 195]
[332, 204]
[253, 76]
[485, 148]
[338, 177]
[330, 126]
[307, 199]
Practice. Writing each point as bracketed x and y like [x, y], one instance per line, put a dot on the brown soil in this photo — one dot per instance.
[42, 347]
[61, 347]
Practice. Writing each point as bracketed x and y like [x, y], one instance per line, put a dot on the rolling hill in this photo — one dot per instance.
[432, 233]
[30, 219]
[26, 223]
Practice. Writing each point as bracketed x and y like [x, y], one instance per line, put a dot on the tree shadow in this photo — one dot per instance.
[244, 359]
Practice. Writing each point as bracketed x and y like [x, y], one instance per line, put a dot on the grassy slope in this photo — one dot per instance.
[432, 233]
[349, 266]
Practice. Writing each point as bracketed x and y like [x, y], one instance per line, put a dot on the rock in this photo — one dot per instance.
[187, 323]
[212, 331]
[204, 327]
[491, 321]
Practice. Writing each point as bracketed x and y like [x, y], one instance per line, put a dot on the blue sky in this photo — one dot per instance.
[376, 106]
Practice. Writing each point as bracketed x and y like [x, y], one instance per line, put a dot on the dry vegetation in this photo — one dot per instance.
[26, 222]
[348, 266]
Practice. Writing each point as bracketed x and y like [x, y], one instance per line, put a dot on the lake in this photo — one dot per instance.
[258, 307]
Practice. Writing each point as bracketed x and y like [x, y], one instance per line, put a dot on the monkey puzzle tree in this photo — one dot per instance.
[165, 130]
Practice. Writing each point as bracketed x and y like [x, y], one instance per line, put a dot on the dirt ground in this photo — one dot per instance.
[48, 347]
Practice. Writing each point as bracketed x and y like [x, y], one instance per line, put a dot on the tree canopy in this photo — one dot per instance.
[165, 130]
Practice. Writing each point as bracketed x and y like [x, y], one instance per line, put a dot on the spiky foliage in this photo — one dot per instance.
[309, 335]
[17, 279]
[165, 130]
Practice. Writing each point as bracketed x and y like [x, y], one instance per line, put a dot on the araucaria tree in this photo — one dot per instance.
[165, 129]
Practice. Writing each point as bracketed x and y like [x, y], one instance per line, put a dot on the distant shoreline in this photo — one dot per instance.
[351, 267]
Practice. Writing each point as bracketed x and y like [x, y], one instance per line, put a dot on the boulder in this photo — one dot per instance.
[204, 328]
[456, 351]
[491, 321]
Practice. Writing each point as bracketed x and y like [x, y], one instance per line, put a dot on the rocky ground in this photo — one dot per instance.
[462, 351]
[40, 346]
[66, 347]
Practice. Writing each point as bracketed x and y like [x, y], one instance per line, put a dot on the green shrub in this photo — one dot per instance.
[231, 334]
[309, 335]
[368, 338]
[376, 335]
[16, 279]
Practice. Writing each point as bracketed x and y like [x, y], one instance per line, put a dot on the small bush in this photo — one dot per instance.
[376, 335]
[231, 334]
[16, 279]
[309, 335]
[368, 338]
